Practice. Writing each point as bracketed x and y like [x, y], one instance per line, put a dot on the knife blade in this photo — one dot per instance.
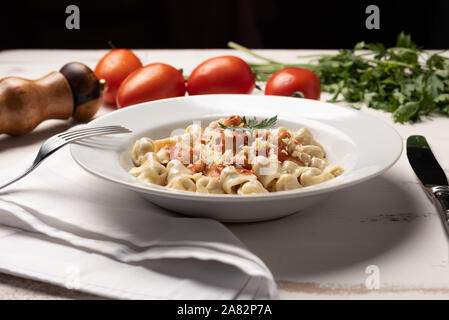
[431, 175]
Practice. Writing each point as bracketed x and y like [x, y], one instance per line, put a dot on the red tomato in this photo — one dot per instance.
[152, 82]
[287, 81]
[114, 67]
[225, 74]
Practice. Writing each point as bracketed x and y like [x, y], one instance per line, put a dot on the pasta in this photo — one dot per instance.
[182, 182]
[232, 180]
[151, 170]
[287, 182]
[266, 170]
[176, 168]
[141, 148]
[209, 185]
[229, 157]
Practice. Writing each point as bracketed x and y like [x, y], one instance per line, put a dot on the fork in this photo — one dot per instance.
[58, 141]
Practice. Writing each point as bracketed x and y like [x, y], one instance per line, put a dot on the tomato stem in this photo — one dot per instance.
[236, 46]
[263, 71]
[298, 94]
[111, 45]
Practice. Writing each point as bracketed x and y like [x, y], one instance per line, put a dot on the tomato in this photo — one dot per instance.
[152, 82]
[226, 74]
[114, 67]
[288, 81]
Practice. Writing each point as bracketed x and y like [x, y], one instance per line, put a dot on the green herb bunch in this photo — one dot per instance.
[404, 80]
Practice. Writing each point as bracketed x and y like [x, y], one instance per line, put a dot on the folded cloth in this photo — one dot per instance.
[64, 226]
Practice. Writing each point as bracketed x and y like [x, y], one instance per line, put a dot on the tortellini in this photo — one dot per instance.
[287, 182]
[151, 170]
[216, 160]
[318, 163]
[266, 170]
[312, 151]
[182, 182]
[141, 148]
[251, 187]
[176, 168]
[314, 176]
[232, 180]
[209, 185]
[304, 136]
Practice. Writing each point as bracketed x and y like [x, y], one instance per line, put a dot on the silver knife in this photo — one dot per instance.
[432, 177]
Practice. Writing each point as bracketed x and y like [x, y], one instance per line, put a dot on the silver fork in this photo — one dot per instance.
[58, 141]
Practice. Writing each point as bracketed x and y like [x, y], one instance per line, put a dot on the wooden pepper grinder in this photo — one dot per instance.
[73, 91]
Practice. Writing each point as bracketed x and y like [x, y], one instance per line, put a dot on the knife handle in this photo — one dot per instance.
[441, 194]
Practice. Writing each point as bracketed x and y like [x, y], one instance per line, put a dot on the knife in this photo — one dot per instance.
[430, 173]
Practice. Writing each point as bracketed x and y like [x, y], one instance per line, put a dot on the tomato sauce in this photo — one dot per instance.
[233, 121]
[214, 170]
[237, 145]
[245, 171]
[179, 152]
[196, 167]
[262, 134]
[282, 156]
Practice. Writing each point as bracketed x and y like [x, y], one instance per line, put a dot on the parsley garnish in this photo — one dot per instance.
[251, 124]
[405, 80]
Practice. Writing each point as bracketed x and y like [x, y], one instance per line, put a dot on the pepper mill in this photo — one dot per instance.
[73, 91]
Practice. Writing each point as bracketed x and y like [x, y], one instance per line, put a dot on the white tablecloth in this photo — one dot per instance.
[383, 229]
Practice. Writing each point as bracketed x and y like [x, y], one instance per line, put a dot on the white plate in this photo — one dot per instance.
[363, 145]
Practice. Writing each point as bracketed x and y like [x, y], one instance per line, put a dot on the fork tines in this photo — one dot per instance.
[72, 135]
[68, 135]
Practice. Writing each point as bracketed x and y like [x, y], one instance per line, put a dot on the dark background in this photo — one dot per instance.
[211, 23]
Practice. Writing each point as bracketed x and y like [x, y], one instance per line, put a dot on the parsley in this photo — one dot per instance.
[404, 80]
[251, 124]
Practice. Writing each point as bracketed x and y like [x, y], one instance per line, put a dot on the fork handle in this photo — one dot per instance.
[441, 197]
[27, 171]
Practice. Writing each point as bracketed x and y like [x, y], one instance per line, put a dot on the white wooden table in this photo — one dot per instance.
[386, 224]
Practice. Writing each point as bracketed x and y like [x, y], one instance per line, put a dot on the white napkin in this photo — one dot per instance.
[64, 226]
